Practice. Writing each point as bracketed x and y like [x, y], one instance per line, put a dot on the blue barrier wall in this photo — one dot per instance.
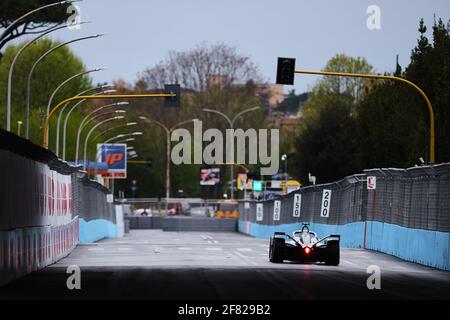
[97, 229]
[427, 247]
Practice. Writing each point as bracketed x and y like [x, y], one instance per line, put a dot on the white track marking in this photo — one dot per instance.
[244, 249]
[246, 260]
[214, 249]
[184, 248]
[96, 249]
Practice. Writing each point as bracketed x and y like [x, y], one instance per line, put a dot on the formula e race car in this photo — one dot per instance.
[304, 246]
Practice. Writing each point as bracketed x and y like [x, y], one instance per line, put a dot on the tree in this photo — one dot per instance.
[10, 10]
[218, 65]
[56, 68]
[393, 124]
[215, 77]
[326, 144]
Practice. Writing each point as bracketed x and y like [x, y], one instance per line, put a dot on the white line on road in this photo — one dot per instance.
[184, 248]
[125, 249]
[350, 263]
[244, 249]
[245, 259]
[214, 249]
[96, 249]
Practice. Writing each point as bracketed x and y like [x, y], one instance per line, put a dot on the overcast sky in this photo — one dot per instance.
[141, 32]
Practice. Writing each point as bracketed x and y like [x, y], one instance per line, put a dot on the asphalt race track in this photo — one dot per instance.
[152, 264]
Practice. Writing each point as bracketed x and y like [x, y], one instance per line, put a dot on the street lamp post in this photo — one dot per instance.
[284, 158]
[29, 13]
[231, 123]
[66, 120]
[61, 85]
[84, 120]
[19, 124]
[129, 124]
[11, 68]
[100, 97]
[84, 123]
[92, 130]
[30, 73]
[168, 147]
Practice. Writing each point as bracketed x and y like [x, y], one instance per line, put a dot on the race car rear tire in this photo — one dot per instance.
[333, 254]
[276, 250]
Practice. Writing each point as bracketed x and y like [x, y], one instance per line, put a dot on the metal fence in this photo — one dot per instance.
[417, 197]
[90, 199]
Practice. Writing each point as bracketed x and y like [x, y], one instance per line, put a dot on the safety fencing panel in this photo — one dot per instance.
[407, 214]
[38, 214]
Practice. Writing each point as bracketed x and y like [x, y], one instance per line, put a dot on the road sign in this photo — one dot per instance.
[113, 160]
[276, 210]
[371, 183]
[259, 212]
[326, 200]
[297, 207]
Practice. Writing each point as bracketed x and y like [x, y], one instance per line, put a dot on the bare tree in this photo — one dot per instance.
[199, 67]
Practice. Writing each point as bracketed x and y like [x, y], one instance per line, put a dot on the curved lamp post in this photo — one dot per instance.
[81, 127]
[129, 124]
[66, 120]
[60, 86]
[84, 120]
[41, 58]
[231, 123]
[168, 147]
[11, 68]
[92, 130]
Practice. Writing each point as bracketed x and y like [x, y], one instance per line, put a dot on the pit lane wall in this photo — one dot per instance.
[407, 215]
[40, 213]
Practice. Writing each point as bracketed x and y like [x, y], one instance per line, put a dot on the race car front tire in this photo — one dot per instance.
[333, 254]
[276, 250]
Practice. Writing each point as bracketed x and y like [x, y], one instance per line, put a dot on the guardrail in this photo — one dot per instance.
[46, 208]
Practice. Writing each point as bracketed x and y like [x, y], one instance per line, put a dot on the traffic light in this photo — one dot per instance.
[285, 70]
[172, 102]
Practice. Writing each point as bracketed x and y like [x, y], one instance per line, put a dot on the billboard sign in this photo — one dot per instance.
[112, 160]
[209, 176]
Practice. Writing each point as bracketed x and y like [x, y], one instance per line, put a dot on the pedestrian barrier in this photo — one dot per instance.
[407, 215]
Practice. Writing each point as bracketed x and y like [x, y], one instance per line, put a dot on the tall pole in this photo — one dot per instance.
[376, 76]
[168, 147]
[100, 97]
[19, 124]
[11, 69]
[231, 124]
[83, 121]
[61, 85]
[35, 64]
[66, 120]
[83, 124]
[90, 132]
[167, 170]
